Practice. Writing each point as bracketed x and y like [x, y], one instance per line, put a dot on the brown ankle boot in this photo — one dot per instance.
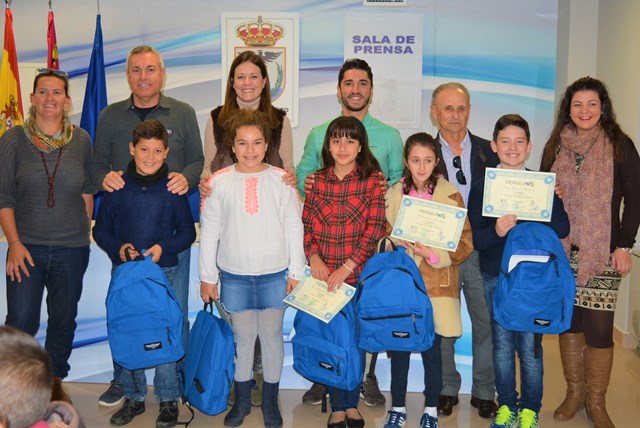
[598, 362]
[572, 355]
[58, 393]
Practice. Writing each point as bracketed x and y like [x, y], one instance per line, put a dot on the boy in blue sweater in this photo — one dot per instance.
[144, 215]
[511, 142]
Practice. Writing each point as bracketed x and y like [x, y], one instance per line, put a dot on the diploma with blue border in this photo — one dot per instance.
[430, 223]
[312, 297]
[527, 194]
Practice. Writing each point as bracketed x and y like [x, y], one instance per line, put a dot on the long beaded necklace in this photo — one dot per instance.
[51, 201]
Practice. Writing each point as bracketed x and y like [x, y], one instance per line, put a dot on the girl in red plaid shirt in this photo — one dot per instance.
[343, 220]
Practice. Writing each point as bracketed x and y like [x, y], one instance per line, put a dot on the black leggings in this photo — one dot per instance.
[432, 364]
[596, 325]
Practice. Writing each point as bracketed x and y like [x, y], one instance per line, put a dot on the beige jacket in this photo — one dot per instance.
[441, 279]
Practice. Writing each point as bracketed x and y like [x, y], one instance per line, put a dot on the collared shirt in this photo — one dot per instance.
[465, 157]
[344, 219]
[385, 143]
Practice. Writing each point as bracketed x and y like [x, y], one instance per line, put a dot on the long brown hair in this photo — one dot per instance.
[230, 105]
[425, 140]
[563, 118]
[350, 127]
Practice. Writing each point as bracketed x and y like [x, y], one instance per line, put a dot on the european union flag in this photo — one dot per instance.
[95, 96]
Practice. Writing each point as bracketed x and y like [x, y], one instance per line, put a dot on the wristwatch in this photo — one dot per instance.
[626, 249]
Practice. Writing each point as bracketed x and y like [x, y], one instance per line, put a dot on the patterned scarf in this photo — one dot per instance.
[588, 188]
[44, 143]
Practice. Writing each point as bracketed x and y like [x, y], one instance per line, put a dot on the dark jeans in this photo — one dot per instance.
[432, 364]
[60, 270]
[506, 344]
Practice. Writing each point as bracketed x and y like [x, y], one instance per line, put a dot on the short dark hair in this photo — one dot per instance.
[151, 129]
[511, 120]
[26, 379]
[355, 64]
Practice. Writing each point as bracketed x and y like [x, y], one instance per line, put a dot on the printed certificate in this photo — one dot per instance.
[311, 296]
[527, 194]
[430, 223]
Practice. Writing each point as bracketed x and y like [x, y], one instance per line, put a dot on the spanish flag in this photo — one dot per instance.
[10, 99]
[52, 44]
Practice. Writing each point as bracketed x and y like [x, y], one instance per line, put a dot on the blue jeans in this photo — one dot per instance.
[505, 345]
[60, 270]
[165, 381]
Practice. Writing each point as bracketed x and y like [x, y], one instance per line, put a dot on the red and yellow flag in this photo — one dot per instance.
[10, 99]
[52, 44]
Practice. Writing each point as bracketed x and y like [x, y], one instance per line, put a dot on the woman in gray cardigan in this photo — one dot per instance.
[45, 209]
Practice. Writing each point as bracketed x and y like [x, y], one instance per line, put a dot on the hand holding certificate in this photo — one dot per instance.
[430, 223]
[527, 194]
[312, 297]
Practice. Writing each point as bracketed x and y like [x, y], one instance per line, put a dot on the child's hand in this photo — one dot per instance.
[156, 253]
[209, 292]
[419, 249]
[319, 269]
[291, 284]
[290, 179]
[133, 253]
[337, 277]
[505, 223]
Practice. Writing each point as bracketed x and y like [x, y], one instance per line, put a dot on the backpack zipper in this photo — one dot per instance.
[414, 317]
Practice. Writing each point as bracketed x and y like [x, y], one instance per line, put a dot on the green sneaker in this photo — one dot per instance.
[527, 419]
[505, 418]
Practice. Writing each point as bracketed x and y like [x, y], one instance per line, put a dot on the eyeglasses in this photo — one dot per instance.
[457, 163]
[60, 73]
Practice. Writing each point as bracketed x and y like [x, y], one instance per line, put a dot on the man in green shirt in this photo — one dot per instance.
[355, 89]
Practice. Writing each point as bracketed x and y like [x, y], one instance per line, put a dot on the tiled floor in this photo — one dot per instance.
[623, 401]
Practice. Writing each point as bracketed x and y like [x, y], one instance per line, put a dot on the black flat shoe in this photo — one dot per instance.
[339, 424]
[355, 423]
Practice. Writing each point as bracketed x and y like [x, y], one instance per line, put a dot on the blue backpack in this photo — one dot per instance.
[144, 321]
[209, 365]
[535, 296]
[393, 308]
[327, 353]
